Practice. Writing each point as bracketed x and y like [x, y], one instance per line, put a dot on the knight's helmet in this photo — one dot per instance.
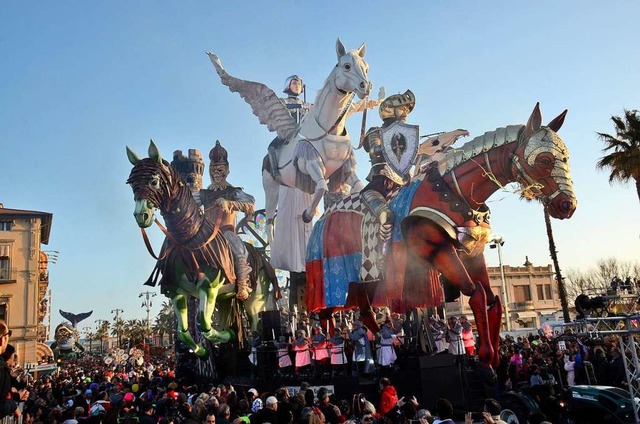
[218, 155]
[390, 103]
[287, 85]
[190, 168]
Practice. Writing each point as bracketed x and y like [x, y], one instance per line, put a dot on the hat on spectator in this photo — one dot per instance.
[253, 391]
[128, 397]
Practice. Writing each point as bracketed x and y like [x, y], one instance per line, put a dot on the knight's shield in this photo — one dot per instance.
[400, 146]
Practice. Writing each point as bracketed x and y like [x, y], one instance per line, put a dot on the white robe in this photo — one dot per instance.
[291, 235]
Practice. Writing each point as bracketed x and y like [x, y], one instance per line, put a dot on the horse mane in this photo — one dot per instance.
[481, 144]
[189, 221]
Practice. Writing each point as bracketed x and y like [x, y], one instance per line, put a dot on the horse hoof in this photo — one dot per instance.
[306, 218]
[201, 352]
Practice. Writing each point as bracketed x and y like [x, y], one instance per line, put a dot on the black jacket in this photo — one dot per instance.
[7, 405]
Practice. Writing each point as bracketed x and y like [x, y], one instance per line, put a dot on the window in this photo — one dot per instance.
[3, 312]
[5, 261]
[544, 291]
[521, 294]
[4, 268]
[5, 225]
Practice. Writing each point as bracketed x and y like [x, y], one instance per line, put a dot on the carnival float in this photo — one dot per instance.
[419, 223]
[66, 343]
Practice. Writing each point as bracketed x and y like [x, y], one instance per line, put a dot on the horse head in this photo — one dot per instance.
[541, 165]
[350, 74]
[151, 181]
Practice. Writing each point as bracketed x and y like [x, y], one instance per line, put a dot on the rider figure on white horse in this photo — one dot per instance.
[382, 179]
[229, 200]
[293, 88]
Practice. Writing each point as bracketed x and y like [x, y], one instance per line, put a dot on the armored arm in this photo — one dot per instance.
[242, 202]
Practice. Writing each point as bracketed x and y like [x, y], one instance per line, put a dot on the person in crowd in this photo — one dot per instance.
[467, 337]
[146, 415]
[330, 411]
[438, 330]
[444, 412]
[210, 418]
[284, 411]
[315, 416]
[224, 414]
[454, 338]
[387, 354]
[268, 414]
[362, 358]
[7, 405]
[569, 364]
[388, 397]
[320, 350]
[254, 399]
[338, 356]
[491, 412]
[284, 359]
[303, 354]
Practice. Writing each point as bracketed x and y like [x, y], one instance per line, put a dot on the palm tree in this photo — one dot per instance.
[103, 334]
[623, 158]
[165, 322]
[562, 291]
[117, 330]
[136, 330]
[91, 336]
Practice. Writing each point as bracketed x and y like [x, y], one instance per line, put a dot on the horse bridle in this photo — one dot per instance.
[524, 175]
[343, 112]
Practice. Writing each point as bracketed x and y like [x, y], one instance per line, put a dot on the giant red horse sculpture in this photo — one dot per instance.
[441, 227]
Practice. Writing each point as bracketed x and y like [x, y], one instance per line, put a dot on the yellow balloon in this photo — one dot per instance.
[135, 388]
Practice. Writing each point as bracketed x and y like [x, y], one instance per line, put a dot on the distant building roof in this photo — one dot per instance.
[46, 217]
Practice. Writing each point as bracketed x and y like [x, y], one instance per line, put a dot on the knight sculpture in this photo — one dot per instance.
[229, 200]
[383, 179]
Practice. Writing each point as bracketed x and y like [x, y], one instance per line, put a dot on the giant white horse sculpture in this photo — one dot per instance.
[317, 155]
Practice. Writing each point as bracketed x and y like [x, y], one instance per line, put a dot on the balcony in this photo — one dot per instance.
[522, 306]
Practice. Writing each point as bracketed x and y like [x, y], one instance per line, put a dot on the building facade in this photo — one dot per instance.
[24, 280]
[531, 293]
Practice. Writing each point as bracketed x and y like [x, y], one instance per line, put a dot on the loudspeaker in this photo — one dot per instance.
[442, 377]
[271, 325]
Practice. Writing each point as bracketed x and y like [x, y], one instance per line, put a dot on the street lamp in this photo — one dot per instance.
[497, 242]
[87, 331]
[147, 303]
[117, 312]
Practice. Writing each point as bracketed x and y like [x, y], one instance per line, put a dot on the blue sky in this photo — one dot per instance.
[79, 81]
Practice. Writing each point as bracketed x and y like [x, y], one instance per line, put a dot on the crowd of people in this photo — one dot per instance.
[89, 390]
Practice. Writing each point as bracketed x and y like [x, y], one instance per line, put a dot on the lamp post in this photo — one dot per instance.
[497, 242]
[87, 331]
[147, 303]
[117, 312]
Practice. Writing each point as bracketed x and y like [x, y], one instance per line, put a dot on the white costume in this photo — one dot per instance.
[386, 353]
